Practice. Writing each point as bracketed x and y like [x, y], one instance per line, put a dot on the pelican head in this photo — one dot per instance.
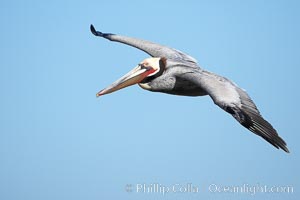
[142, 74]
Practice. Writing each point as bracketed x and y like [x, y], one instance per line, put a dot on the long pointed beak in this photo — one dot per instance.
[134, 76]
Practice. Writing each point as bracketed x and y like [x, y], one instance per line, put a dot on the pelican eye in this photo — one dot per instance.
[144, 67]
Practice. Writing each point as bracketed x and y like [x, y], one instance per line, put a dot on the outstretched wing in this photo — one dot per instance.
[155, 50]
[237, 102]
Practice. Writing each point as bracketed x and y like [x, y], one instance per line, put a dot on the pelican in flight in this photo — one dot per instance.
[173, 72]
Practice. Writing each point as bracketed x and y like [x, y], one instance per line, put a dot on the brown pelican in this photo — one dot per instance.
[174, 72]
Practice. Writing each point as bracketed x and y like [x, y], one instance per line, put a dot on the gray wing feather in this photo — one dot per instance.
[153, 49]
[237, 102]
[248, 115]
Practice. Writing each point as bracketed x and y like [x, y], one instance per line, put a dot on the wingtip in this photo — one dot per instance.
[285, 149]
[280, 143]
[93, 30]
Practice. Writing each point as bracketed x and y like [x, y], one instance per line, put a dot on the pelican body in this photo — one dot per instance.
[173, 72]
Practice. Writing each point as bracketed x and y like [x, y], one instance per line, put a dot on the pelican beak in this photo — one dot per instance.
[134, 76]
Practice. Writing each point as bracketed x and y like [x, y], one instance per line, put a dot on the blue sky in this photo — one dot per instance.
[58, 141]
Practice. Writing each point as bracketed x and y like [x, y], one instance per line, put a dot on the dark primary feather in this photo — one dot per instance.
[153, 49]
